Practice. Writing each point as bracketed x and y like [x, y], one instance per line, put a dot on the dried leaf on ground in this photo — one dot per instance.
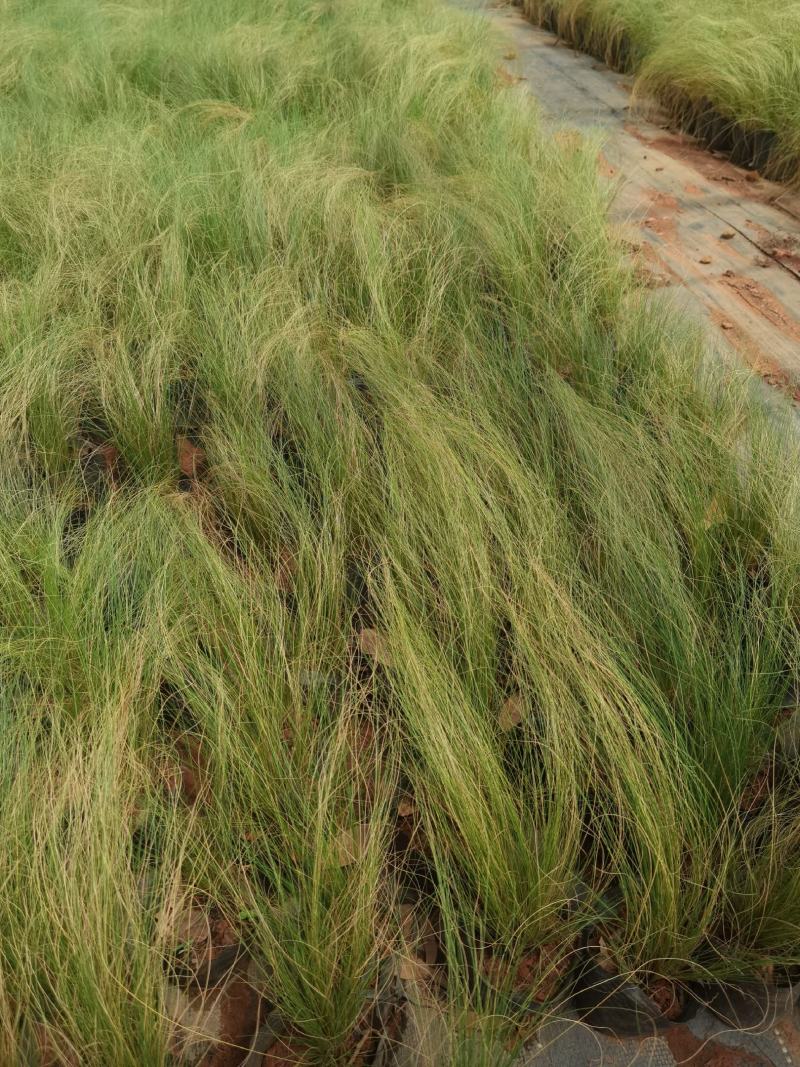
[285, 569]
[186, 775]
[411, 969]
[605, 958]
[755, 792]
[376, 646]
[714, 514]
[505, 77]
[191, 458]
[105, 453]
[511, 713]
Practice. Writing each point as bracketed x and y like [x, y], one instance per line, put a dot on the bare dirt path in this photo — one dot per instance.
[726, 241]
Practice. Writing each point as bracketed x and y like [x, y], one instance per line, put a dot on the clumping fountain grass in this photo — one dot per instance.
[742, 56]
[345, 470]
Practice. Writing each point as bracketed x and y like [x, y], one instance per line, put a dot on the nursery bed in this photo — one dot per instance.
[400, 606]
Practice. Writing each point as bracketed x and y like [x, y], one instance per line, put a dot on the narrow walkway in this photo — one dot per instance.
[726, 240]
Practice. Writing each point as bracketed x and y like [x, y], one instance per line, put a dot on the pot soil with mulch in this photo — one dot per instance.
[532, 984]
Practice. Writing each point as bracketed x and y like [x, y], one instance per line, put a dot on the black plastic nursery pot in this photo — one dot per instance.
[614, 1002]
[750, 1003]
[753, 149]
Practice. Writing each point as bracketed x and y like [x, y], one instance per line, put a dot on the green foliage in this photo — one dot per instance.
[331, 422]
